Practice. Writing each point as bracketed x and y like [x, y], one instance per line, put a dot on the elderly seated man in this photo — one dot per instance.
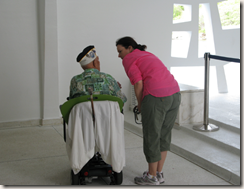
[99, 82]
[104, 133]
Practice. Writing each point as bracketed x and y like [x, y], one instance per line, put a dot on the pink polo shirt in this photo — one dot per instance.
[157, 80]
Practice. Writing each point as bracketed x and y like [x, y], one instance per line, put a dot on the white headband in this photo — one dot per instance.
[89, 57]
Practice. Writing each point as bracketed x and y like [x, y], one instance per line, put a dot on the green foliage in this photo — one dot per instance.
[178, 10]
[201, 24]
[229, 12]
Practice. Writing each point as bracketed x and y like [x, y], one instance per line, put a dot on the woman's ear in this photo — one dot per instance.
[130, 48]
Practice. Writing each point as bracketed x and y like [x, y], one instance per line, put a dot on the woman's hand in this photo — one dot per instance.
[139, 107]
[138, 91]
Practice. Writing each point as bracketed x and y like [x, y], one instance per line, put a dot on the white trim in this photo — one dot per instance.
[28, 123]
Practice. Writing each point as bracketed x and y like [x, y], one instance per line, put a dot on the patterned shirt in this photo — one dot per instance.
[100, 83]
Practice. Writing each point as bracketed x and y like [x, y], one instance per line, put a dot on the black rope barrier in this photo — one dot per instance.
[224, 58]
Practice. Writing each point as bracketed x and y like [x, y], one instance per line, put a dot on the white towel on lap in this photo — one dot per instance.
[108, 136]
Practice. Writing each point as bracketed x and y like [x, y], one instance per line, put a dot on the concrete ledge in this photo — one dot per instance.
[191, 106]
[216, 157]
[28, 123]
[45, 122]
[206, 164]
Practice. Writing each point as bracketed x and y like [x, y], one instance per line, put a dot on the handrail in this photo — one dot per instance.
[206, 127]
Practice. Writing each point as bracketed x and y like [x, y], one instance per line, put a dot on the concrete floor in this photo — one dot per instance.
[225, 108]
[37, 156]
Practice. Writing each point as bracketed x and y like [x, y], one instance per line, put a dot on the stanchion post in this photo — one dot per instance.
[206, 89]
[206, 127]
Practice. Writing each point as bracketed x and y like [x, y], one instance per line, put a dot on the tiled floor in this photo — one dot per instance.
[37, 156]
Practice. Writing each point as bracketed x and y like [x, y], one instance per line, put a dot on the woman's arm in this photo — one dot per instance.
[138, 91]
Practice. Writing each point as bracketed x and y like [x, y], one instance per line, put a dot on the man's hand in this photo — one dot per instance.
[119, 85]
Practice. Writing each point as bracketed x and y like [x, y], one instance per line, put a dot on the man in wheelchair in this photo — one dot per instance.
[95, 125]
[99, 82]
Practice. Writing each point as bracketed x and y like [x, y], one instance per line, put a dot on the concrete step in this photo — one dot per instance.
[225, 137]
[218, 152]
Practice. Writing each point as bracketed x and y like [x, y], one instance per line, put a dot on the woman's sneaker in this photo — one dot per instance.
[160, 177]
[145, 180]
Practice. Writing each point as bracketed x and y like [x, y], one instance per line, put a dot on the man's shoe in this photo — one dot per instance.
[145, 180]
[160, 177]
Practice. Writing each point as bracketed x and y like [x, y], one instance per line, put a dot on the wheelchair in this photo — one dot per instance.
[95, 167]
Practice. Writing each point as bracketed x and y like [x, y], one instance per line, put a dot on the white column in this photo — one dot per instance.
[217, 29]
[48, 41]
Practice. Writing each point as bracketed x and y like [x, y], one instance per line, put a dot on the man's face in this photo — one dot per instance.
[97, 63]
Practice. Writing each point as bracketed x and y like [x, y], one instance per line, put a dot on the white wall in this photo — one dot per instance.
[101, 23]
[19, 61]
[40, 40]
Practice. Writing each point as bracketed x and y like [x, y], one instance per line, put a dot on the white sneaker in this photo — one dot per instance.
[145, 180]
[160, 177]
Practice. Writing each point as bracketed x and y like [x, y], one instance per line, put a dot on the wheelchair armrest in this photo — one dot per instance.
[67, 106]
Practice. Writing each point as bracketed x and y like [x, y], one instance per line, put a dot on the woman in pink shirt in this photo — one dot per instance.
[158, 97]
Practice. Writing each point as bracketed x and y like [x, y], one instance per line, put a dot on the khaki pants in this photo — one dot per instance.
[158, 118]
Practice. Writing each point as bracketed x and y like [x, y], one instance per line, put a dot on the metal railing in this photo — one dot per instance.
[207, 127]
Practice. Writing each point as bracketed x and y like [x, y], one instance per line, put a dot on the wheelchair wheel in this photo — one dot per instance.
[117, 178]
[75, 179]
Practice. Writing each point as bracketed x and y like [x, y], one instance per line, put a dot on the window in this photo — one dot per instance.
[181, 39]
[206, 37]
[182, 13]
[180, 43]
[229, 12]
